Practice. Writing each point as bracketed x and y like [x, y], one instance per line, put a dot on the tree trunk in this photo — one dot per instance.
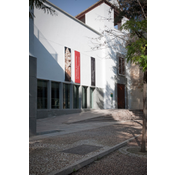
[144, 129]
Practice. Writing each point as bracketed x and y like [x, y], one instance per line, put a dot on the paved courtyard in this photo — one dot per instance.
[76, 141]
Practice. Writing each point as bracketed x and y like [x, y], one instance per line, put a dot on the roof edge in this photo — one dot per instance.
[72, 17]
[93, 6]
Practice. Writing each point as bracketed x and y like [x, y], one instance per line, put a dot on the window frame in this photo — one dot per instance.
[121, 64]
[43, 97]
[57, 93]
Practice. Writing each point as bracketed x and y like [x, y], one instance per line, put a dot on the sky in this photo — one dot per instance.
[73, 7]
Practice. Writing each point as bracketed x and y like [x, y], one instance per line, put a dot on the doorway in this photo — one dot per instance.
[121, 96]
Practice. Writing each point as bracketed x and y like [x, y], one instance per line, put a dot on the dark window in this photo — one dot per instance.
[76, 96]
[55, 95]
[66, 96]
[84, 97]
[42, 94]
[121, 66]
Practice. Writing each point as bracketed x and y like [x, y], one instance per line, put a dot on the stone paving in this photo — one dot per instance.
[46, 156]
[103, 129]
[124, 150]
[118, 162]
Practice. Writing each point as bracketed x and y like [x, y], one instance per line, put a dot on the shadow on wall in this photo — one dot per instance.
[115, 49]
[48, 63]
[47, 58]
[100, 97]
[40, 37]
[109, 99]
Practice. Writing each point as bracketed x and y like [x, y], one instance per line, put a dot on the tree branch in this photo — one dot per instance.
[142, 9]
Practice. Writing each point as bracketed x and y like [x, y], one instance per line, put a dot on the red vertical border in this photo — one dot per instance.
[77, 67]
[14, 71]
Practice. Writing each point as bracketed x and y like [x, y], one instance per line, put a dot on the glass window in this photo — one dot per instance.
[55, 95]
[84, 97]
[121, 66]
[76, 96]
[66, 96]
[42, 94]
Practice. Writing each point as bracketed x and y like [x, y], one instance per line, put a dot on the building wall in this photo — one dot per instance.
[52, 33]
[50, 37]
[99, 17]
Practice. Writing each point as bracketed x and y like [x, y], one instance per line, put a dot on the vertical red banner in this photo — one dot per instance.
[77, 67]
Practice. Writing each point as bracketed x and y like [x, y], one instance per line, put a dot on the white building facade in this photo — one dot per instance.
[76, 64]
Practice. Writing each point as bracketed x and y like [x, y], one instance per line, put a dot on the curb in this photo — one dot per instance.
[79, 164]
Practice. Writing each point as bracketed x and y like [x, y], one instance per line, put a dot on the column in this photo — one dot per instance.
[88, 97]
[80, 97]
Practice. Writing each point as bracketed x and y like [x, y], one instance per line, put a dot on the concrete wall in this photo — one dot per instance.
[32, 95]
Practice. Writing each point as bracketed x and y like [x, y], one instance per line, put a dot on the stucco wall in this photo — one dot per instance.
[52, 34]
[99, 17]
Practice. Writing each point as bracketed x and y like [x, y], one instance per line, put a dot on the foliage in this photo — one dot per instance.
[39, 4]
[137, 43]
[131, 9]
[136, 12]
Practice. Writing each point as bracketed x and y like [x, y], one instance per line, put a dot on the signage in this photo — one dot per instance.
[67, 54]
[77, 67]
[92, 71]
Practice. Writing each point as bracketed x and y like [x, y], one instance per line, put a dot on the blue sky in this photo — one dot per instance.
[73, 7]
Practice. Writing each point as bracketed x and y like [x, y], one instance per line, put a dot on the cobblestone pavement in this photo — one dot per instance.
[45, 154]
[118, 163]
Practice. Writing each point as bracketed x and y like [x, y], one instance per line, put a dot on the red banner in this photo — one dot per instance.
[77, 67]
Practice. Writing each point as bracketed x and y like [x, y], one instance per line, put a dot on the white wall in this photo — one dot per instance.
[99, 17]
[52, 34]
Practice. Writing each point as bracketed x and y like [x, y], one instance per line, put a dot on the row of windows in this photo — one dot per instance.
[42, 96]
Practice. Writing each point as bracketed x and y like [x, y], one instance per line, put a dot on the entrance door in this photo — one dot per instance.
[121, 96]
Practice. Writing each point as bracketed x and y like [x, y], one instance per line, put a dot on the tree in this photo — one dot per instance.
[39, 4]
[136, 45]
